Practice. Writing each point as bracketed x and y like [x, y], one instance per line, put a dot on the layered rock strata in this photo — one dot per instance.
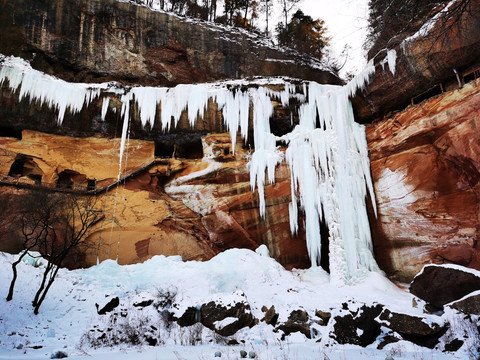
[191, 208]
[426, 169]
[428, 58]
[103, 40]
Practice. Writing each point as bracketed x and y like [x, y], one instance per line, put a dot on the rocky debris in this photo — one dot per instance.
[59, 355]
[469, 304]
[324, 317]
[385, 340]
[226, 320]
[421, 331]
[453, 345]
[108, 306]
[298, 321]
[143, 303]
[358, 326]
[425, 165]
[439, 285]
[190, 316]
[271, 316]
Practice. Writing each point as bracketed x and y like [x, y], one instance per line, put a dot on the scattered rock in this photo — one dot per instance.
[413, 328]
[108, 307]
[271, 317]
[143, 303]
[151, 340]
[454, 345]
[358, 327]
[388, 339]
[324, 317]
[298, 321]
[440, 285]
[468, 305]
[252, 355]
[226, 320]
[243, 354]
[59, 355]
[190, 317]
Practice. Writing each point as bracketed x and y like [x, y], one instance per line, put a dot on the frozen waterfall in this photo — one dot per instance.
[326, 152]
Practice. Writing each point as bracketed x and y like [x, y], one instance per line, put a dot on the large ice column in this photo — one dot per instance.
[266, 156]
[330, 172]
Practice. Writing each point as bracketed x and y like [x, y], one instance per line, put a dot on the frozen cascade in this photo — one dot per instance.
[47, 89]
[326, 153]
[330, 176]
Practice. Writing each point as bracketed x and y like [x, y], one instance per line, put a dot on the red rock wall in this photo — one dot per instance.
[426, 169]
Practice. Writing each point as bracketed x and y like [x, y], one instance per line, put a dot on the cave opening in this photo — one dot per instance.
[24, 165]
[7, 131]
[185, 146]
[67, 179]
[433, 91]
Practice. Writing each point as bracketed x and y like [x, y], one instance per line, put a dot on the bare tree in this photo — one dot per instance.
[65, 237]
[36, 214]
[287, 7]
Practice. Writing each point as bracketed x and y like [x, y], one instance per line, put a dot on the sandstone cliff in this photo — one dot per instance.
[424, 60]
[426, 168]
[103, 40]
[192, 208]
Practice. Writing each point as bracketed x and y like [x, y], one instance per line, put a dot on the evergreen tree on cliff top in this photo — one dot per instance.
[303, 34]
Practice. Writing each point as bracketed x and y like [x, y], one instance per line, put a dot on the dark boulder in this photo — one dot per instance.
[440, 285]
[108, 307]
[271, 316]
[226, 320]
[468, 305]
[357, 327]
[298, 321]
[413, 328]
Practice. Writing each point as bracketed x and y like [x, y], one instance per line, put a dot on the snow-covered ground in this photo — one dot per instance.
[69, 314]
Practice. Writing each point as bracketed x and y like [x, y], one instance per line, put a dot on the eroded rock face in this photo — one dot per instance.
[421, 63]
[102, 40]
[426, 169]
[193, 208]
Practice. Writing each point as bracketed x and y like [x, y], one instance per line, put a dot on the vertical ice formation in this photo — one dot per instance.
[391, 60]
[330, 171]
[326, 152]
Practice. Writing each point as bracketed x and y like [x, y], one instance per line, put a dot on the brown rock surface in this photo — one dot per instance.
[440, 285]
[111, 40]
[426, 167]
[421, 64]
[192, 208]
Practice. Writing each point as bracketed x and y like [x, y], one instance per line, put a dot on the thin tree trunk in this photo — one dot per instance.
[42, 285]
[14, 279]
[50, 282]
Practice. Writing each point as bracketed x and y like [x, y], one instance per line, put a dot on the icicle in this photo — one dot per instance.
[392, 60]
[55, 93]
[126, 121]
[266, 155]
[361, 80]
[105, 103]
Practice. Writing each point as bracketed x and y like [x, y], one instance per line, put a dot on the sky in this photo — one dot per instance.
[346, 21]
